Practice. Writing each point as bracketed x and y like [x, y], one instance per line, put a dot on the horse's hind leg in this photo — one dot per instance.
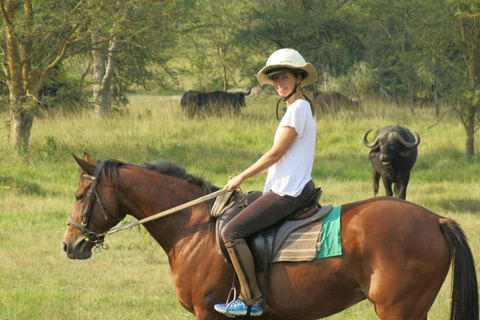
[407, 293]
[406, 286]
[397, 313]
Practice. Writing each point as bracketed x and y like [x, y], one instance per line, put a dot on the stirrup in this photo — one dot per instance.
[229, 302]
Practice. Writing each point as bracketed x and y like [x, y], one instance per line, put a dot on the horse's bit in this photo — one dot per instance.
[91, 236]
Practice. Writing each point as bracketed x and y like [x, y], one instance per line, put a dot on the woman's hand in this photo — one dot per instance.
[234, 183]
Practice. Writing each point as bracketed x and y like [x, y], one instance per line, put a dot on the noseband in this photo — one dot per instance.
[91, 236]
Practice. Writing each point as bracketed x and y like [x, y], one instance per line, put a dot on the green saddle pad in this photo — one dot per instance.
[331, 239]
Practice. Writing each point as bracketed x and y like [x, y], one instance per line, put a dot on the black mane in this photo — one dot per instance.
[111, 170]
[173, 169]
[166, 167]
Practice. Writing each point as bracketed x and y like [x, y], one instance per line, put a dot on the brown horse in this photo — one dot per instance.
[395, 253]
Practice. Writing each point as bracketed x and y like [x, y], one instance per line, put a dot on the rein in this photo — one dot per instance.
[98, 238]
[169, 211]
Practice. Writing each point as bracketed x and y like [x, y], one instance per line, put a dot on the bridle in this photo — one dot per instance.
[92, 195]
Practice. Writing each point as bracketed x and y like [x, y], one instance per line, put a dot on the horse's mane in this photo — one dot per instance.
[166, 167]
[173, 169]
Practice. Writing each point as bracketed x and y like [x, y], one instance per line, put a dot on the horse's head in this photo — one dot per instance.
[95, 211]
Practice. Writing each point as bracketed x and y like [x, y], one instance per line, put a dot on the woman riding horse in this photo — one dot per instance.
[289, 165]
[395, 253]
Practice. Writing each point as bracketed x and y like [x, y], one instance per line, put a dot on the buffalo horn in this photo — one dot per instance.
[409, 144]
[369, 144]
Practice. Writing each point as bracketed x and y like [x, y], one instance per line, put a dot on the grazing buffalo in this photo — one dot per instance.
[194, 101]
[332, 101]
[394, 152]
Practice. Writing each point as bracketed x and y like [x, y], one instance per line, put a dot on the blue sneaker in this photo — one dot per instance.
[239, 308]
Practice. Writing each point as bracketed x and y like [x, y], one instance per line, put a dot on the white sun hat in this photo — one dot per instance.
[283, 60]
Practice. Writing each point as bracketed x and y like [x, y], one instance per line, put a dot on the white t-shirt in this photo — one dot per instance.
[292, 172]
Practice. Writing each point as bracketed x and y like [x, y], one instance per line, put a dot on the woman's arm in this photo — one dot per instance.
[285, 139]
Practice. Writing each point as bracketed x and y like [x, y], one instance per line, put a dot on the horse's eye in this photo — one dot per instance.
[79, 197]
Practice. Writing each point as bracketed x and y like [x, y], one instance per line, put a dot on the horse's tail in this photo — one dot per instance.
[464, 279]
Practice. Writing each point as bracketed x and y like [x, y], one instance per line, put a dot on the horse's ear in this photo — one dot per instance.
[87, 167]
[89, 158]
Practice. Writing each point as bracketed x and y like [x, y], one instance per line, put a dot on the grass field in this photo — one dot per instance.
[132, 280]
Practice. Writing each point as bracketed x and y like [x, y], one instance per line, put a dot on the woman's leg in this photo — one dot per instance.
[242, 261]
[262, 213]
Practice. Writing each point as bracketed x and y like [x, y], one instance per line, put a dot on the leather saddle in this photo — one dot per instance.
[260, 243]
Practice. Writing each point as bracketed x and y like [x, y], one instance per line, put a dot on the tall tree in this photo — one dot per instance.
[469, 107]
[37, 36]
[105, 57]
[448, 41]
[126, 51]
[430, 44]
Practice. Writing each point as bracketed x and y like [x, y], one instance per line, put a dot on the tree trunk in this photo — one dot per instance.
[99, 95]
[102, 104]
[470, 128]
[21, 125]
[104, 63]
[225, 78]
[470, 28]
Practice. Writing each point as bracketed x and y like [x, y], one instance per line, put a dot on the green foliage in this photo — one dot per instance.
[214, 45]
[61, 90]
[324, 32]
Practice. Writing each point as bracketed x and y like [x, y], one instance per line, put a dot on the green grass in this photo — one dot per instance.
[132, 279]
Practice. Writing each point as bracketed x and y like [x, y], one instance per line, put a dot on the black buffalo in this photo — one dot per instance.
[194, 101]
[394, 152]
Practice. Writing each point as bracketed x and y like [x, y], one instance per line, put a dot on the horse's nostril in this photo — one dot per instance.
[64, 245]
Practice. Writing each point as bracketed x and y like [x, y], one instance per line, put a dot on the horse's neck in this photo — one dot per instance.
[175, 231]
[186, 236]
